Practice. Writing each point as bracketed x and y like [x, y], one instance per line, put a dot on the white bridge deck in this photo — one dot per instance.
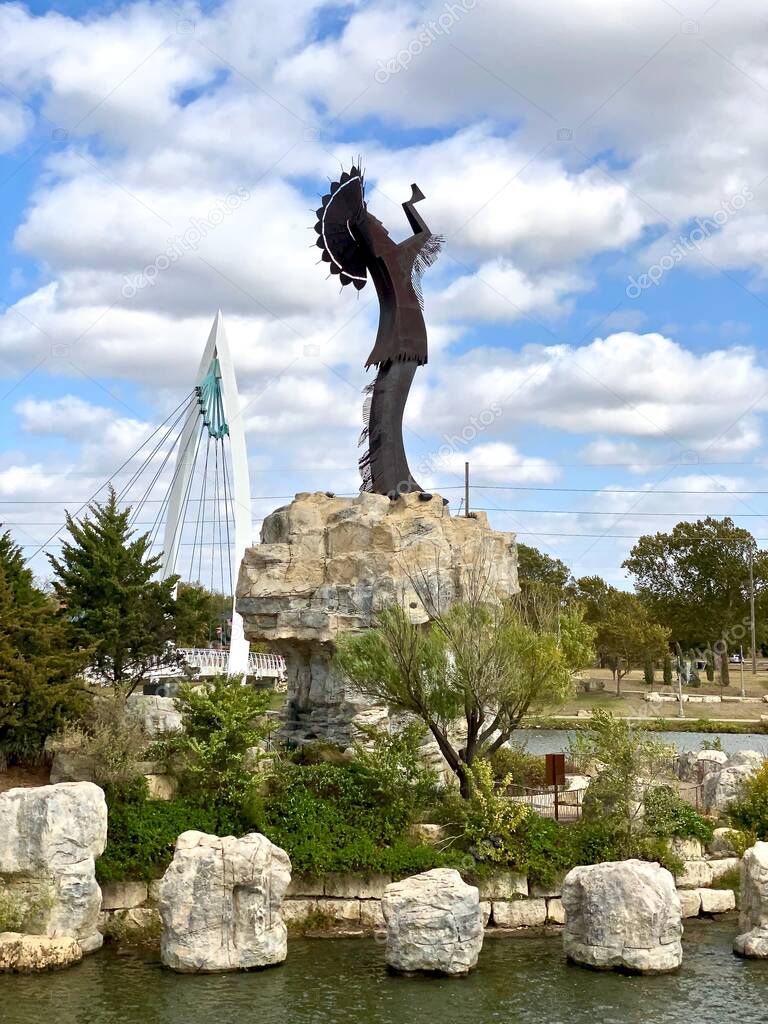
[210, 662]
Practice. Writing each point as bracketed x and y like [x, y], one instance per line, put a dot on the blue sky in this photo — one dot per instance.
[564, 152]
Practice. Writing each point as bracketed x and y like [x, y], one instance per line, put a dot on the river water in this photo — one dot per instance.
[553, 741]
[344, 981]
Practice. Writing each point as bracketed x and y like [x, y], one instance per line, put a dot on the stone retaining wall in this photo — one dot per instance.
[351, 904]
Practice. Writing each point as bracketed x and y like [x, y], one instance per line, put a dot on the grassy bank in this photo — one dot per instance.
[706, 725]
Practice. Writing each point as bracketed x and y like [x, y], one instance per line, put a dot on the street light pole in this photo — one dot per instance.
[752, 609]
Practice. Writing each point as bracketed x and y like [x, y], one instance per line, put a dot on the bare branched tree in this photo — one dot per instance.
[480, 663]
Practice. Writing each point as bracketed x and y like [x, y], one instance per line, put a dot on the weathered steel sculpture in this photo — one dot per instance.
[356, 245]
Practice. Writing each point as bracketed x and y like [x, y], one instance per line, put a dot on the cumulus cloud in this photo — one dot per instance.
[541, 172]
[643, 386]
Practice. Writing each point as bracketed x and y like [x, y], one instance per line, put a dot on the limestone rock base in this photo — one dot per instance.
[623, 915]
[434, 923]
[328, 565]
[220, 903]
[26, 954]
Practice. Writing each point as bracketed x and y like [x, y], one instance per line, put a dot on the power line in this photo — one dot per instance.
[586, 490]
[625, 512]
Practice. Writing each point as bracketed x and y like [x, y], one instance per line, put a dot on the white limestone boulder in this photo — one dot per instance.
[692, 765]
[753, 919]
[220, 902]
[158, 716]
[27, 954]
[725, 842]
[751, 758]
[434, 923]
[49, 839]
[622, 915]
[721, 788]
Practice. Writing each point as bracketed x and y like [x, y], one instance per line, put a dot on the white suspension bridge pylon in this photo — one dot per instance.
[215, 414]
[206, 506]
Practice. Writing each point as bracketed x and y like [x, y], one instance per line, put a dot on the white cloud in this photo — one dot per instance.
[499, 291]
[494, 462]
[642, 386]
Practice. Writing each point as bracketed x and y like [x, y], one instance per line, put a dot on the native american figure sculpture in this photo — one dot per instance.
[357, 245]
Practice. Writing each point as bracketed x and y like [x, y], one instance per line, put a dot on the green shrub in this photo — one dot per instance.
[13, 910]
[750, 810]
[520, 768]
[111, 737]
[126, 934]
[730, 880]
[142, 833]
[667, 815]
[486, 823]
[22, 910]
[348, 817]
[667, 670]
[222, 720]
[648, 671]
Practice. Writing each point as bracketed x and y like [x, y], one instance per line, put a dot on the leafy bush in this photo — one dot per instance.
[667, 815]
[142, 833]
[488, 820]
[112, 739]
[517, 766]
[22, 910]
[351, 816]
[222, 721]
[667, 670]
[750, 810]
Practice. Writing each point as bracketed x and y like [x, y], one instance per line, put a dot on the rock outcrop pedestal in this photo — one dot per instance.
[434, 923]
[49, 839]
[328, 565]
[753, 919]
[623, 915]
[220, 901]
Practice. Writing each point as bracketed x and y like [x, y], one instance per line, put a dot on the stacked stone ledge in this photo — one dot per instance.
[326, 566]
[753, 919]
[623, 915]
[434, 923]
[49, 839]
[219, 903]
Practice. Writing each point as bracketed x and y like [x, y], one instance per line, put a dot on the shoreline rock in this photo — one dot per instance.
[220, 901]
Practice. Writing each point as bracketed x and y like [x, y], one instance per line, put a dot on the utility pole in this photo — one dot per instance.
[741, 666]
[466, 490]
[752, 608]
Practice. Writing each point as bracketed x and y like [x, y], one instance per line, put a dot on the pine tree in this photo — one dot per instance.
[40, 684]
[110, 599]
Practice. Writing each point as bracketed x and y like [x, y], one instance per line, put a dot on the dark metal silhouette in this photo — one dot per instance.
[355, 245]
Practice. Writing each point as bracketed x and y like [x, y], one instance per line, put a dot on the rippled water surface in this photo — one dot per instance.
[547, 741]
[518, 981]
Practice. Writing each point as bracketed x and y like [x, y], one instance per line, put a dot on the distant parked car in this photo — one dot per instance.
[735, 659]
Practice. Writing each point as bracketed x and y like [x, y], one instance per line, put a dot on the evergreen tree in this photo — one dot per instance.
[202, 615]
[40, 685]
[112, 603]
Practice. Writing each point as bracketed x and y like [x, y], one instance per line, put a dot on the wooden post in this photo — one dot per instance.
[466, 489]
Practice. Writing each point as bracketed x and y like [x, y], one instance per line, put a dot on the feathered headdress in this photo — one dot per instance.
[342, 207]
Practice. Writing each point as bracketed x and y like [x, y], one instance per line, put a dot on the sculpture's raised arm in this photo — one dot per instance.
[414, 217]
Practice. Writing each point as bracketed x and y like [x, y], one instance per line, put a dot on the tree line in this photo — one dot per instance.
[691, 598]
[105, 612]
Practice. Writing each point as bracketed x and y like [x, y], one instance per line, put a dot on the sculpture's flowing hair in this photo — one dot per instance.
[425, 257]
[369, 438]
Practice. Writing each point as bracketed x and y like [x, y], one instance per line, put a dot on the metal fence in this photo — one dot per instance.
[550, 802]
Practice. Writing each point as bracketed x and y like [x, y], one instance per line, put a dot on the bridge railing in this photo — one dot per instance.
[259, 664]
